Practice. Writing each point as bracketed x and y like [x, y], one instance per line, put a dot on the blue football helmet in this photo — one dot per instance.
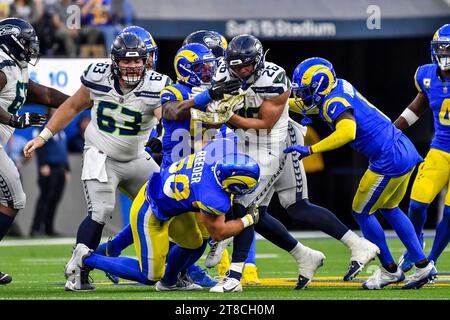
[212, 39]
[237, 173]
[440, 47]
[195, 64]
[150, 43]
[129, 46]
[313, 80]
[19, 40]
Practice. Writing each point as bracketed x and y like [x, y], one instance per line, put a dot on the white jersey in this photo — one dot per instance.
[121, 123]
[271, 83]
[13, 95]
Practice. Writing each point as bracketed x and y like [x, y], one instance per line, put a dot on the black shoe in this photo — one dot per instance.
[302, 283]
[5, 278]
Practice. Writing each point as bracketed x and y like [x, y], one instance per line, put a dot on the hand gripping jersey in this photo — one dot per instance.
[189, 185]
[389, 151]
[120, 123]
[13, 95]
[271, 83]
[429, 82]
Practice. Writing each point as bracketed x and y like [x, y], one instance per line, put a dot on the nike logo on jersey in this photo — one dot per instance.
[333, 110]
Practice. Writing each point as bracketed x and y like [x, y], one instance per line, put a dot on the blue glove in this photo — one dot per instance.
[303, 150]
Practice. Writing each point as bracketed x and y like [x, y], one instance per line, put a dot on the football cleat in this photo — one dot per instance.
[311, 260]
[76, 274]
[5, 278]
[181, 285]
[215, 252]
[250, 275]
[405, 262]
[224, 264]
[227, 285]
[381, 278]
[362, 254]
[421, 276]
[199, 276]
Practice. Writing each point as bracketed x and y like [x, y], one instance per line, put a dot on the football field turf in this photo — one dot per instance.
[37, 272]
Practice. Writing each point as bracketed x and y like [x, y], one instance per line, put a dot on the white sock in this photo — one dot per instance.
[298, 251]
[237, 267]
[350, 239]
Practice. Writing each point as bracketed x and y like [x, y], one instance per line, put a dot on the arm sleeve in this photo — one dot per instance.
[345, 133]
[418, 79]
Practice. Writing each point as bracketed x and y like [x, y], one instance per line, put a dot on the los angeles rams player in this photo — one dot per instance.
[125, 106]
[203, 182]
[19, 46]
[392, 159]
[433, 84]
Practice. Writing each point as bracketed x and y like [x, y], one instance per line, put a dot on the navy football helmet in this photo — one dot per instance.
[245, 50]
[19, 40]
[128, 45]
[152, 47]
[213, 40]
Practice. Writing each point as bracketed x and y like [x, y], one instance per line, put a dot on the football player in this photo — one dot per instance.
[433, 84]
[203, 182]
[125, 106]
[392, 159]
[19, 46]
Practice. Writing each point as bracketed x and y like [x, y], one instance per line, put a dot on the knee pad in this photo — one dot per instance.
[20, 201]
[102, 214]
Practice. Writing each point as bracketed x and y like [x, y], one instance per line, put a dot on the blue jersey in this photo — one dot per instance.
[189, 185]
[389, 151]
[432, 85]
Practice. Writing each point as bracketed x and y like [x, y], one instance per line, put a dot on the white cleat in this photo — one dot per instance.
[381, 278]
[181, 285]
[215, 252]
[421, 276]
[362, 254]
[77, 276]
[227, 285]
[311, 261]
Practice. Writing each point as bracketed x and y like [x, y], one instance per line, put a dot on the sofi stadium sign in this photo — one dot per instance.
[280, 28]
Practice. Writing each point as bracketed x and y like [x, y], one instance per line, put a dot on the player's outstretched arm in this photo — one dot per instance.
[176, 110]
[62, 117]
[269, 113]
[413, 112]
[219, 229]
[47, 96]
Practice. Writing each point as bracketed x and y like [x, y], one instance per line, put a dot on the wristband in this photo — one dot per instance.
[202, 99]
[409, 116]
[46, 134]
[247, 220]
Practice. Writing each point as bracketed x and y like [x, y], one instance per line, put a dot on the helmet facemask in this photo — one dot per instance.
[441, 54]
[203, 71]
[131, 75]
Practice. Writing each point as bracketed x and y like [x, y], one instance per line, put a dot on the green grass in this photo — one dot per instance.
[38, 274]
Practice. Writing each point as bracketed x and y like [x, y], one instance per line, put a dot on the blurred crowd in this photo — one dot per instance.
[72, 28]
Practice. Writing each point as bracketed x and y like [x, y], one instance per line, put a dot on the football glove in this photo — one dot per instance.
[26, 120]
[227, 87]
[154, 145]
[304, 151]
[253, 211]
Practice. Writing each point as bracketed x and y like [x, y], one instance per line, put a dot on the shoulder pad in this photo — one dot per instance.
[157, 81]
[221, 72]
[97, 72]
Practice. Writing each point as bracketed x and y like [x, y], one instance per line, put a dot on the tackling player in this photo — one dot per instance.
[392, 159]
[433, 84]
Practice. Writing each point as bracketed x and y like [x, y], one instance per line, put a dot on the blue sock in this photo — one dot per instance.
[417, 213]
[373, 232]
[89, 232]
[405, 231]
[126, 268]
[251, 258]
[176, 260]
[442, 237]
[274, 231]
[195, 255]
[121, 241]
[5, 222]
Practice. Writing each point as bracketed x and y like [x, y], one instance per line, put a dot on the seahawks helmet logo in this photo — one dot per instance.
[211, 41]
[9, 29]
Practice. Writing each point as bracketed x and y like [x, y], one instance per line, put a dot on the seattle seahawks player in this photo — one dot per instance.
[261, 128]
[392, 159]
[125, 107]
[203, 182]
[19, 46]
[432, 83]
[211, 39]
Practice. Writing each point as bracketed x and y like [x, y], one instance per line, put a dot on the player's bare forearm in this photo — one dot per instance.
[69, 110]
[177, 111]
[47, 96]
[5, 116]
[250, 123]
[418, 106]
[219, 229]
